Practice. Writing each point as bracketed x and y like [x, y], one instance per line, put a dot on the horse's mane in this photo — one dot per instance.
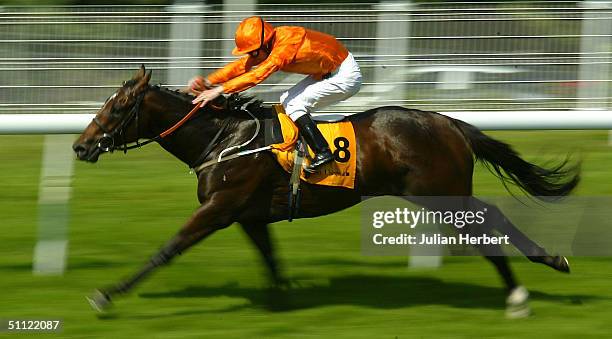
[234, 101]
[184, 96]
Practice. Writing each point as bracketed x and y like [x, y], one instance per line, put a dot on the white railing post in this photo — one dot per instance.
[186, 25]
[595, 48]
[231, 20]
[391, 25]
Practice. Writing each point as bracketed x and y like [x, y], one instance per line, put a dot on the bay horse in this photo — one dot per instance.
[401, 152]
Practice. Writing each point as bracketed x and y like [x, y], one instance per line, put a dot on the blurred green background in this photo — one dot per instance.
[126, 206]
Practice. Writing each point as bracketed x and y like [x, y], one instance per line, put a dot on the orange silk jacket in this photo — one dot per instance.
[295, 50]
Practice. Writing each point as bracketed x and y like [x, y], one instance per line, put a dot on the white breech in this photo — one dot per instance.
[310, 94]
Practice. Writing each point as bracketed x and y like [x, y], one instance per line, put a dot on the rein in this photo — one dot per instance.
[229, 157]
[221, 159]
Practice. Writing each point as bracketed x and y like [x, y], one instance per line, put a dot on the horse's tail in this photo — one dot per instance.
[505, 163]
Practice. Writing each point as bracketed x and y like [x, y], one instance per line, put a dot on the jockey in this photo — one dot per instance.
[332, 74]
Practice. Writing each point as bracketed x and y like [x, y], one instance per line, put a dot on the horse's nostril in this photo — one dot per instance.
[79, 149]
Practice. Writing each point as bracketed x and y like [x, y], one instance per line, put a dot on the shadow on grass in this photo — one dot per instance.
[381, 292]
[83, 264]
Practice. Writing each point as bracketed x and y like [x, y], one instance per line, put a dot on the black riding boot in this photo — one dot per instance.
[316, 141]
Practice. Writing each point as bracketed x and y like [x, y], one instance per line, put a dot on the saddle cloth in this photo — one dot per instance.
[341, 139]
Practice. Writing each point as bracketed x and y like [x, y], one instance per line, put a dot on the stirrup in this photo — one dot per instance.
[319, 160]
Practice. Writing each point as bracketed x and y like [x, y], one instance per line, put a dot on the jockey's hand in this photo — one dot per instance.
[208, 96]
[198, 84]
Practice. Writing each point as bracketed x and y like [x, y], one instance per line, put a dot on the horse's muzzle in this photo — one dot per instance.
[89, 154]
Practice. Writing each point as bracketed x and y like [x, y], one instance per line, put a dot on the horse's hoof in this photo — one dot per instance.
[558, 262]
[514, 312]
[517, 303]
[561, 264]
[99, 301]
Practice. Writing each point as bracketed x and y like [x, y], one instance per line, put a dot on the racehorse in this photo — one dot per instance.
[401, 152]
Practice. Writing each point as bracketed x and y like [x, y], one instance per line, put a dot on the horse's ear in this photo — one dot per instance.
[145, 80]
[142, 83]
[140, 73]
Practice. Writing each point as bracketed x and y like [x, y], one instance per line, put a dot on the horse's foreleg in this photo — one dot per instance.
[174, 247]
[259, 233]
[205, 221]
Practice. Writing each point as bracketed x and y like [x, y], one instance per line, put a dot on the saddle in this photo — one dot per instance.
[283, 136]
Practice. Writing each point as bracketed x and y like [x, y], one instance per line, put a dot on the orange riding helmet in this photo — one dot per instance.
[252, 34]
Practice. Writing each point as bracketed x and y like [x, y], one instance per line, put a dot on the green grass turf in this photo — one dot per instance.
[124, 207]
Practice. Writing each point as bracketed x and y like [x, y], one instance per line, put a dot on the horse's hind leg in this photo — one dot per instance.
[517, 296]
[517, 300]
[497, 220]
[495, 255]
[259, 233]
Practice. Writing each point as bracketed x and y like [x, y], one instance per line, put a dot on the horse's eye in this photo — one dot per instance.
[116, 109]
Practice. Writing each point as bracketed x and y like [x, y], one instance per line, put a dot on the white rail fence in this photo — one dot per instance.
[507, 120]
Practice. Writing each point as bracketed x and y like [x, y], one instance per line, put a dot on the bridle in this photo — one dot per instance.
[106, 143]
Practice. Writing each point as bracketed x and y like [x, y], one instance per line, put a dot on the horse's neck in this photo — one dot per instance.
[190, 140]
